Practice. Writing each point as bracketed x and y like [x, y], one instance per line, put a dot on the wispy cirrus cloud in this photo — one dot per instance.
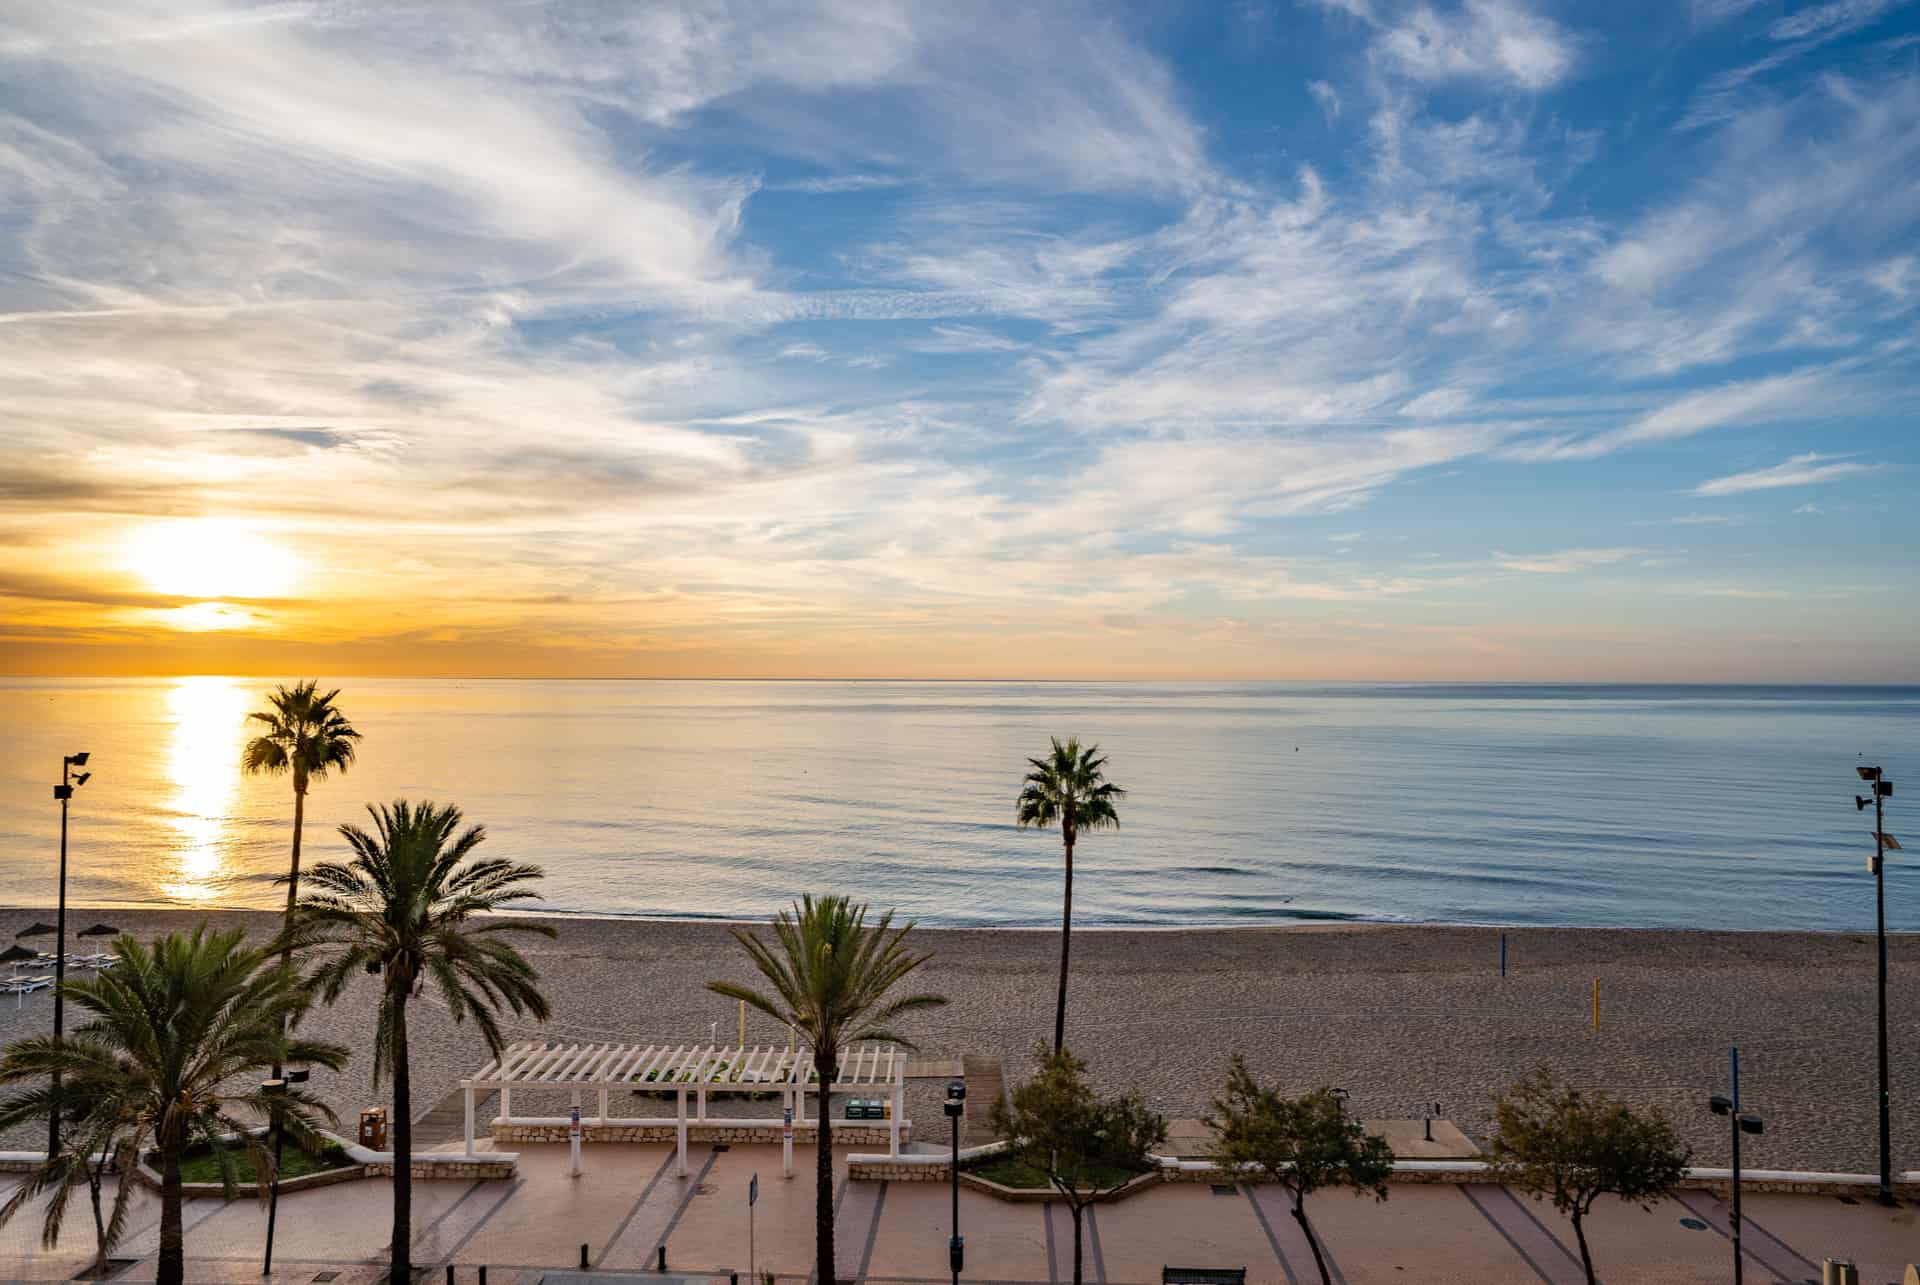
[1810, 469]
[1565, 561]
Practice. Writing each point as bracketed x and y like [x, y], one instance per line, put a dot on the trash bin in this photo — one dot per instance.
[1839, 1271]
[373, 1128]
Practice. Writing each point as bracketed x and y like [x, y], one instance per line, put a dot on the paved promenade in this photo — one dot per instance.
[629, 1204]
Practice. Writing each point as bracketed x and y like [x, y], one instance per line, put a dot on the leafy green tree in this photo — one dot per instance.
[305, 736]
[170, 1056]
[1068, 788]
[832, 977]
[409, 910]
[1574, 1147]
[1087, 1146]
[1304, 1144]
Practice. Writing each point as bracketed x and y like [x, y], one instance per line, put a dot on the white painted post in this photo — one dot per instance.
[603, 1105]
[700, 1107]
[680, 1113]
[506, 1105]
[893, 1121]
[469, 1121]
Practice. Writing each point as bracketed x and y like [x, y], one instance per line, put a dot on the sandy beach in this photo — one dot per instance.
[1397, 1015]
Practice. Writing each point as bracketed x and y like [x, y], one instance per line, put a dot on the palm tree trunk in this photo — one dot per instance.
[173, 1237]
[1066, 944]
[1076, 1241]
[402, 1272]
[1586, 1257]
[293, 871]
[293, 892]
[96, 1175]
[1313, 1242]
[823, 1258]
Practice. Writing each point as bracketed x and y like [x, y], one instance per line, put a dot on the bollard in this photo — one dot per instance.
[583, 1258]
[663, 1257]
[1839, 1271]
[733, 1278]
[483, 1274]
[449, 1274]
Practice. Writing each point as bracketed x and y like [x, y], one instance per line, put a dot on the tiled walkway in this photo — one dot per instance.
[630, 1203]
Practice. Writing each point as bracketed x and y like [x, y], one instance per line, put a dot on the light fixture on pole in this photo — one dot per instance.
[69, 780]
[1883, 843]
[955, 1106]
[276, 1088]
[1740, 1122]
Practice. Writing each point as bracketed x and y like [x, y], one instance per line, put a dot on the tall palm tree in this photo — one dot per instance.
[171, 1055]
[831, 975]
[307, 736]
[1069, 788]
[407, 909]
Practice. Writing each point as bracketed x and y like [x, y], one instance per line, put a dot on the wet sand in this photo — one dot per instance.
[1399, 1016]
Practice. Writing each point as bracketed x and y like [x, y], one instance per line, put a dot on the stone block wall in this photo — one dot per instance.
[456, 1167]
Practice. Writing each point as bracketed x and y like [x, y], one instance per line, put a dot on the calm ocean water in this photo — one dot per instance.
[1727, 807]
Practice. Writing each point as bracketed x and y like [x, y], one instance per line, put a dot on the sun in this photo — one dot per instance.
[210, 558]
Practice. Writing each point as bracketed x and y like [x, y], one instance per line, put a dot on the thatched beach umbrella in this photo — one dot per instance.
[100, 930]
[36, 929]
[14, 954]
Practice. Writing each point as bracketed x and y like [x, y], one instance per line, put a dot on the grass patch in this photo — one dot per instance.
[199, 1164]
[1011, 1172]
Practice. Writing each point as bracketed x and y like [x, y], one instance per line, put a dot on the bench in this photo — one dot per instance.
[1203, 1276]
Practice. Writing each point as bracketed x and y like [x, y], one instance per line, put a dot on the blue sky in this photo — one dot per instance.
[1341, 338]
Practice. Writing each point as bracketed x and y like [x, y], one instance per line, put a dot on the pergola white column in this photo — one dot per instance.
[469, 1096]
[680, 1113]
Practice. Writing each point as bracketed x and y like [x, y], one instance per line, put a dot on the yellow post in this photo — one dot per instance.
[1596, 1003]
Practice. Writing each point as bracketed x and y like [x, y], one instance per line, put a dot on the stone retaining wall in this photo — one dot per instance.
[437, 1167]
[866, 1134]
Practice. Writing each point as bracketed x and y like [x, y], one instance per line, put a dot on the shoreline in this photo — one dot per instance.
[1401, 1015]
[1327, 924]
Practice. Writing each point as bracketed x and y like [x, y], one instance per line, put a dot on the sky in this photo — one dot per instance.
[1338, 339]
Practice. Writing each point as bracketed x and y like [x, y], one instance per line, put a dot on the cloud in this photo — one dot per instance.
[1327, 98]
[1802, 470]
[1565, 562]
[1486, 40]
[1831, 19]
[1766, 400]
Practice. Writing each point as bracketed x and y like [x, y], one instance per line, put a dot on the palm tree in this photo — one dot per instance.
[1069, 789]
[830, 976]
[406, 909]
[306, 736]
[171, 1056]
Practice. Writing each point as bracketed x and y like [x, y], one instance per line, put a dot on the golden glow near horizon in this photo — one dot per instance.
[209, 721]
[210, 558]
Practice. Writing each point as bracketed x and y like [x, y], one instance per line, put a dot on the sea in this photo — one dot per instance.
[1246, 803]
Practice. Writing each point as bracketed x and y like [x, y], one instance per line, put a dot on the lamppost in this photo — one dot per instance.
[276, 1088]
[1883, 843]
[63, 792]
[1740, 1122]
[955, 1104]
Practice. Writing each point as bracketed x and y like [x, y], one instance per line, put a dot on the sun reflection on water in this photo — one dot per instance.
[203, 765]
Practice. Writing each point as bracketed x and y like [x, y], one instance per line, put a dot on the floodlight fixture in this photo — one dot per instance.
[78, 760]
[1868, 773]
[1888, 842]
[83, 778]
[1752, 1124]
[1719, 1105]
[1860, 802]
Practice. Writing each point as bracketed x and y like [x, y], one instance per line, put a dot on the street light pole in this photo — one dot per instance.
[275, 1089]
[1740, 1122]
[955, 1104]
[1881, 841]
[64, 793]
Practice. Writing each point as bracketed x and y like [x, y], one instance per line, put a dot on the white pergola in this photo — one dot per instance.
[699, 1069]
